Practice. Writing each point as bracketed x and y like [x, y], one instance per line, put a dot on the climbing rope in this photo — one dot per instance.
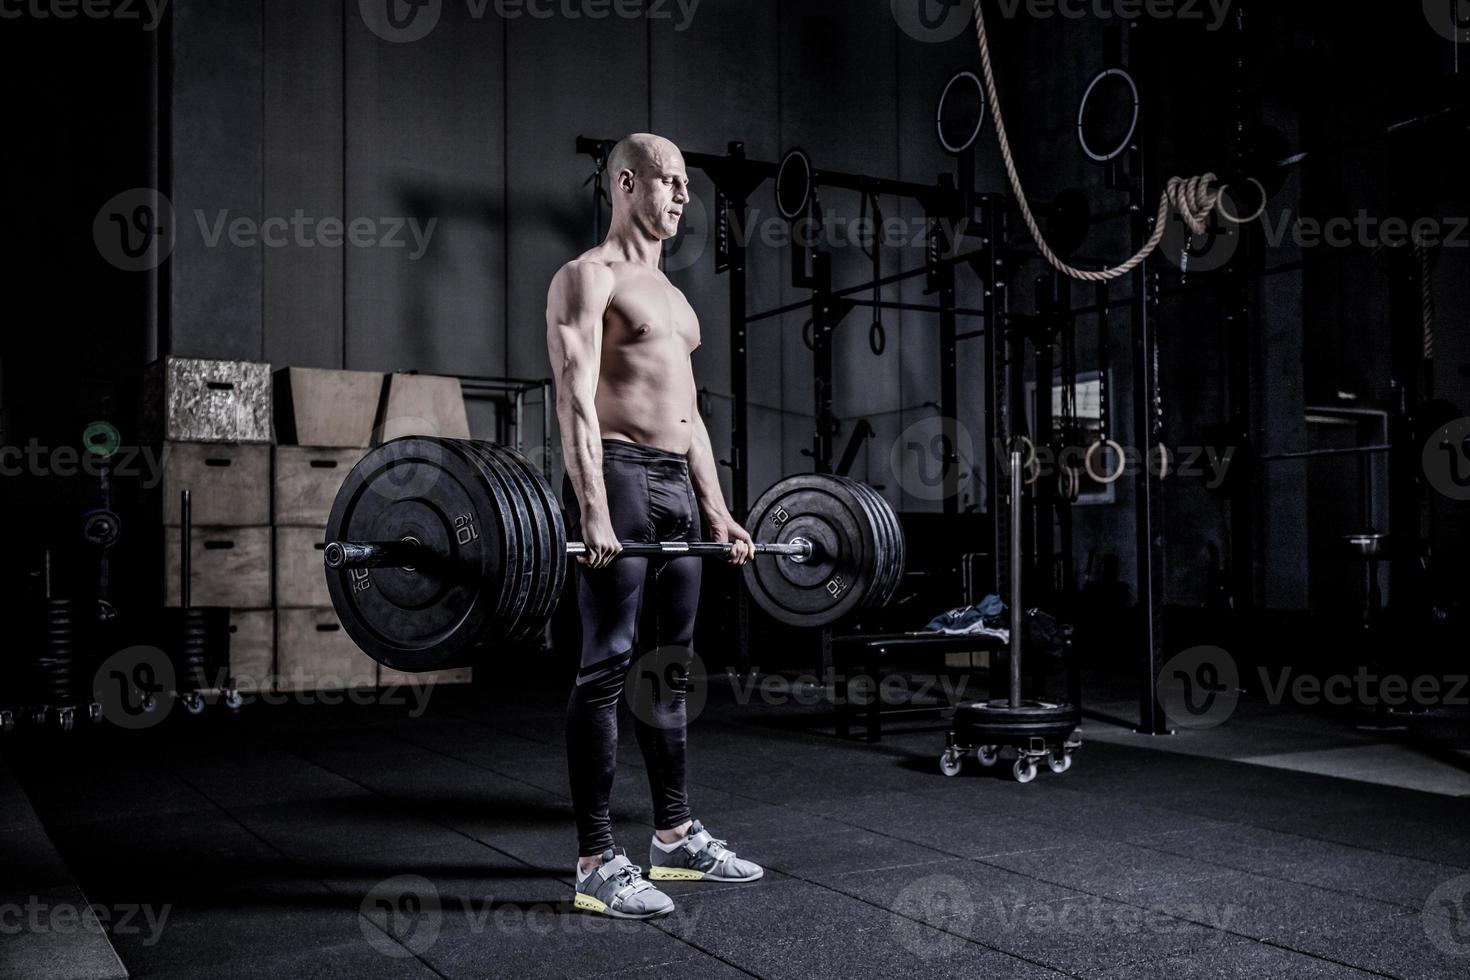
[1192, 197]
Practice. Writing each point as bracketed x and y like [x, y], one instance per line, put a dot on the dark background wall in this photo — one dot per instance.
[266, 108]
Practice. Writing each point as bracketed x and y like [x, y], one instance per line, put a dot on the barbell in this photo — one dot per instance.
[440, 552]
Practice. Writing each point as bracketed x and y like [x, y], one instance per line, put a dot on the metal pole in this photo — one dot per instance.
[1016, 568]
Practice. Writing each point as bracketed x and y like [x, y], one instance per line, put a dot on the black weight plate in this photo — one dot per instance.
[892, 552]
[821, 591]
[520, 565]
[880, 541]
[557, 533]
[434, 617]
[526, 571]
[980, 720]
[900, 559]
[883, 536]
[533, 619]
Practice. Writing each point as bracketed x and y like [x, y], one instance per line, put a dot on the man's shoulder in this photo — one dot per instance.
[587, 271]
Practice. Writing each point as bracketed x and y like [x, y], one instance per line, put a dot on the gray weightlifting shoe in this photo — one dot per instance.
[699, 857]
[617, 888]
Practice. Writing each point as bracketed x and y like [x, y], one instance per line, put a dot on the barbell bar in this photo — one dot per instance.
[409, 554]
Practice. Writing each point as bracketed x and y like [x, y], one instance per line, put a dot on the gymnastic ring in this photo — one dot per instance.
[1030, 460]
[1164, 470]
[1220, 204]
[808, 337]
[1069, 484]
[1123, 144]
[877, 338]
[1087, 462]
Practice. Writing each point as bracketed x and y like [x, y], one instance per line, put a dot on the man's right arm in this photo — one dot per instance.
[575, 305]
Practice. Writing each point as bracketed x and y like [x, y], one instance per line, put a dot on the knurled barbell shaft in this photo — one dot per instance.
[399, 554]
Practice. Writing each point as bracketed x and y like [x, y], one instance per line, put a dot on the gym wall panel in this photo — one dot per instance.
[710, 81]
[303, 174]
[215, 151]
[838, 100]
[425, 141]
[566, 78]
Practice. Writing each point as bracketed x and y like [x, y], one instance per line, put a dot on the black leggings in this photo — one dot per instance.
[649, 498]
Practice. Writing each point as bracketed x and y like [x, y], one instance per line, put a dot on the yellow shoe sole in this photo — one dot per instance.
[674, 874]
[588, 904]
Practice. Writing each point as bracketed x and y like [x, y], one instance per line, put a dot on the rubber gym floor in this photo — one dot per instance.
[356, 841]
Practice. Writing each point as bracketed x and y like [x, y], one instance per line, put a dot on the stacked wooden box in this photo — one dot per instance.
[212, 420]
[325, 422]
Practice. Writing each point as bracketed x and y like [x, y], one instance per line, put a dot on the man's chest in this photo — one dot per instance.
[649, 311]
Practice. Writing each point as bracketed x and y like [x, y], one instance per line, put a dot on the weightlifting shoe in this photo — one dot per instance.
[617, 888]
[698, 857]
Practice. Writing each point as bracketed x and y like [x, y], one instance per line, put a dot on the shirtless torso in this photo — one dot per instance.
[645, 390]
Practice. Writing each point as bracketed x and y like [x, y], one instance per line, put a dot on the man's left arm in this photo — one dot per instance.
[706, 479]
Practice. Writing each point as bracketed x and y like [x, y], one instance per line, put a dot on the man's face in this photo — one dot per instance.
[660, 189]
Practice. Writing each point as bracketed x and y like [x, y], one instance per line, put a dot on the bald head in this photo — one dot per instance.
[649, 184]
[638, 151]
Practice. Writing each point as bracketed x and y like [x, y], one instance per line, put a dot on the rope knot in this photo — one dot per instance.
[1193, 199]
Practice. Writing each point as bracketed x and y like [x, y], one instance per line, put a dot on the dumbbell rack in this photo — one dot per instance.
[198, 636]
[55, 680]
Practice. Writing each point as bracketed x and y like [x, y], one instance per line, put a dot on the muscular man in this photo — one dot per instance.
[639, 468]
